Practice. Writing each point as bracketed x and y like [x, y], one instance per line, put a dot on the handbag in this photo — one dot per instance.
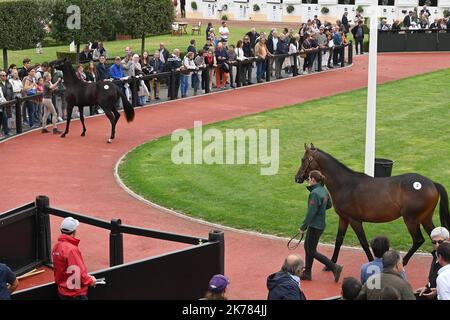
[225, 67]
[31, 92]
[303, 55]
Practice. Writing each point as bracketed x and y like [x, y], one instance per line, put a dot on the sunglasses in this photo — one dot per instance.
[437, 242]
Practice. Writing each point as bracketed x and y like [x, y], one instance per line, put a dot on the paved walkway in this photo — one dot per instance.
[77, 174]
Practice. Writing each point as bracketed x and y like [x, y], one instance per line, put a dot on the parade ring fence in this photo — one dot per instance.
[413, 40]
[25, 240]
[170, 77]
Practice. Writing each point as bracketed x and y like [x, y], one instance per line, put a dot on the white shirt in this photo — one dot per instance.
[240, 54]
[443, 283]
[17, 85]
[224, 32]
[2, 98]
[275, 43]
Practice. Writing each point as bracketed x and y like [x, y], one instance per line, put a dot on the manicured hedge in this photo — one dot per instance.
[99, 20]
[23, 24]
[146, 17]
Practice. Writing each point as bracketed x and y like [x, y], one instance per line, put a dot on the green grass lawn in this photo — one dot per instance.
[118, 47]
[412, 129]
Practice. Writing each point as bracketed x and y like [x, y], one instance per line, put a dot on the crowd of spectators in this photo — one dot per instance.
[384, 278]
[216, 65]
[417, 20]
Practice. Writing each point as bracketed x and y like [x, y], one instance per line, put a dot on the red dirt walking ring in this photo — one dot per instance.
[78, 175]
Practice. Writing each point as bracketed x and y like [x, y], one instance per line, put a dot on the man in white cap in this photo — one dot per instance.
[438, 236]
[71, 275]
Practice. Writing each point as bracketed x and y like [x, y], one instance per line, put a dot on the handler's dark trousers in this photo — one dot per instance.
[311, 242]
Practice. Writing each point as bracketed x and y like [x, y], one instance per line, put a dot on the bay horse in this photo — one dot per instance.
[359, 198]
[105, 94]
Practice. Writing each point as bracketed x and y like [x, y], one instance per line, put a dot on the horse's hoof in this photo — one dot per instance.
[109, 141]
[83, 134]
[63, 136]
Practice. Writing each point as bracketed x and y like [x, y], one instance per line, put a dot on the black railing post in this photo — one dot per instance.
[44, 234]
[295, 71]
[207, 89]
[115, 244]
[268, 68]
[342, 56]
[18, 115]
[172, 85]
[319, 60]
[238, 73]
[350, 53]
[217, 235]
[134, 92]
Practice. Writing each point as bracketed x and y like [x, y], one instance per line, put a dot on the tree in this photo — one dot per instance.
[83, 21]
[143, 17]
[23, 25]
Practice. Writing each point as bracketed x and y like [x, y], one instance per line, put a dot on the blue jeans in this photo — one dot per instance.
[195, 82]
[260, 69]
[31, 110]
[184, 84]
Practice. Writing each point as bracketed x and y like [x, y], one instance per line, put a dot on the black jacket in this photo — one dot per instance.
[345, 23]
[102, 72]
[434, 268]
[23, 73]
[253, 38]
[90, 76]
[407, 21]
[282, 287]
[355, 31]
[165, 54]
[282, 47]
[270, 47]
[7, 89]
[83, 57]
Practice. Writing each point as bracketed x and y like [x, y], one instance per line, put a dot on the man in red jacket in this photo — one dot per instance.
[71, 275]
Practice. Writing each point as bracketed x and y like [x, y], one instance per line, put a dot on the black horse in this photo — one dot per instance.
[105, 94]
[359, 198]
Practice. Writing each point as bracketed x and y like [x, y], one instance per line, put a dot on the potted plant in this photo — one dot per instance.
[359, 9]
[446, 13]
[256, 7]
[324, 10]
[290, 8]
[194, 5]
[224, 17]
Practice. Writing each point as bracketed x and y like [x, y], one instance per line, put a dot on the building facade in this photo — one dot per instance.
[277, 10]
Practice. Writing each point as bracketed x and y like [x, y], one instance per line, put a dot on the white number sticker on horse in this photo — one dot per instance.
[106, 87]
[417, 185]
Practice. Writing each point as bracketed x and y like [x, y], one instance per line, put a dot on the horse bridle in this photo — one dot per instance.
[310, 159]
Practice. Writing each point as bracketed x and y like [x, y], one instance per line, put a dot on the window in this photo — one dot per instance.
[309, 1]
[346, 1]
[429, 3]
[386, 2]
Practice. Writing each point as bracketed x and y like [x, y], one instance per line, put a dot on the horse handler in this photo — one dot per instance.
[318, 202]
[49, 108]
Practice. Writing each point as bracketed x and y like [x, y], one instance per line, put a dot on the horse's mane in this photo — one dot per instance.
[340, 164]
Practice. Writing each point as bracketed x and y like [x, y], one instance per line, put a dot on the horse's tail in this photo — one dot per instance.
[128, 108]
[444, 213]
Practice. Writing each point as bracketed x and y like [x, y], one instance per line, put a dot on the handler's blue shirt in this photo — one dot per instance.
[6, 276]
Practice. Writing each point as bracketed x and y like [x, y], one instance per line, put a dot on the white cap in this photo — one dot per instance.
[440, 232]
[69, 224]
